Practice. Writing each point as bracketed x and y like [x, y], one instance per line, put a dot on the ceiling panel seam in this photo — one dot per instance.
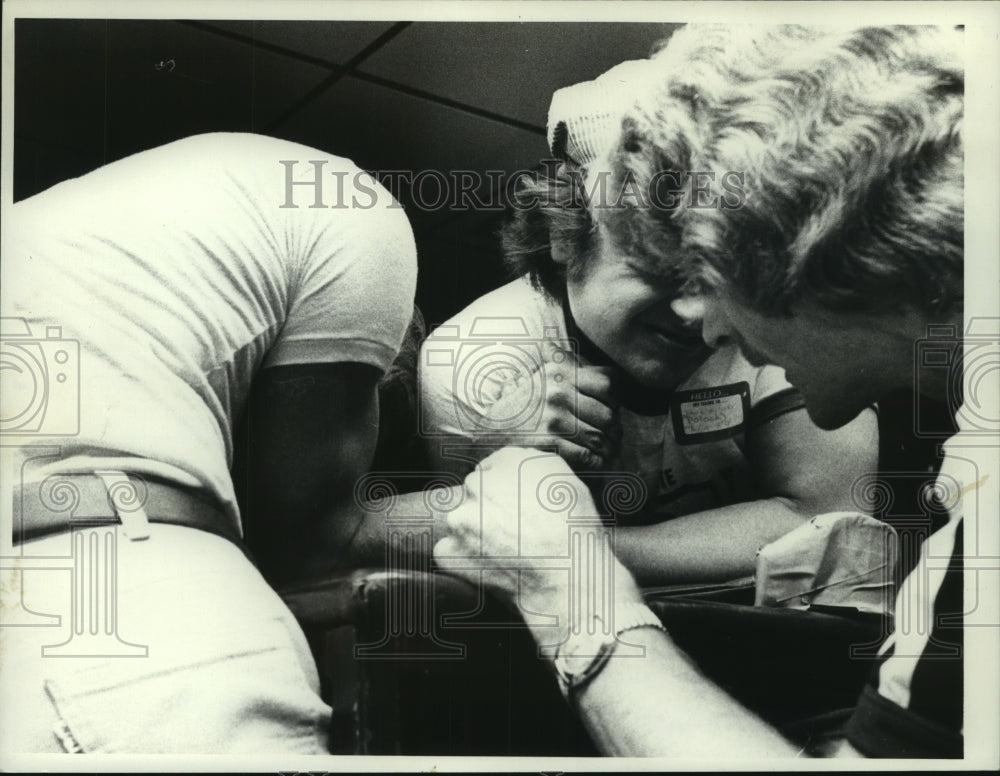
[349, 69]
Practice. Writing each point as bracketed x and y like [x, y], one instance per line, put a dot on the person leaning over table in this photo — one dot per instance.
[850, 243]
[200, 286]
[625, 374]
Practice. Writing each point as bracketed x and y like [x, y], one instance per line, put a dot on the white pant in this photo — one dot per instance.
[202, 657]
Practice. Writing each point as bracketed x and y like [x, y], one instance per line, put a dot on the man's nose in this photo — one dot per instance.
[714, 326]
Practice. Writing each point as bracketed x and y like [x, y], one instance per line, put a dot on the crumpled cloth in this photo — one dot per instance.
[841, 559]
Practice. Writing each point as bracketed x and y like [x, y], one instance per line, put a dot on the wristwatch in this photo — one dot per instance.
[582, 656]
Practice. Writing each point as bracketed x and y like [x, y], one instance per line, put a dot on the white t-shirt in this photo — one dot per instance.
[148, 293]
[687, 465]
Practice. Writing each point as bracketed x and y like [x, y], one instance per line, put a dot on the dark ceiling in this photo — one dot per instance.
[391, 96]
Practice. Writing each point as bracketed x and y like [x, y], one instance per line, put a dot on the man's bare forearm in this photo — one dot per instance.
[711, 546]
[661, 705]
[357, 533]
[649, 699]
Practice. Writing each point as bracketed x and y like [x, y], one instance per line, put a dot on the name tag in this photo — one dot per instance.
[708, 414]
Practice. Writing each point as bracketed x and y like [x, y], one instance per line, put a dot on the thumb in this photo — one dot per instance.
[582, 459]
[447, 549]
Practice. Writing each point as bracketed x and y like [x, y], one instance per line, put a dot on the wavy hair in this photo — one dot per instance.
[562, 214]
[850, 144]
[553, 215]
[550, 215]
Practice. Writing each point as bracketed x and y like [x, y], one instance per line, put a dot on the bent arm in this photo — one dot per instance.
[657, 703]
[554, 404]
[311, 434]
[801, 471]
[661, 704]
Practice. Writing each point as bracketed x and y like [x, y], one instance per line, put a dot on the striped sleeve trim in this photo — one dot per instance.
[936, 685]
[780, 403]
[775, 405]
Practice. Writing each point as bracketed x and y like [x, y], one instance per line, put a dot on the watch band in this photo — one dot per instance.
[571, 680]
[637, 615]
[627, 617]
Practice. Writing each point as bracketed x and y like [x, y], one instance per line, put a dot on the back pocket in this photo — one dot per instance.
[215, 691]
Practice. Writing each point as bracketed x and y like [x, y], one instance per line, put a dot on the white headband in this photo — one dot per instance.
[585, 118]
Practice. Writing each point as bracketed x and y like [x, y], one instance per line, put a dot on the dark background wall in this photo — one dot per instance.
[390, 96]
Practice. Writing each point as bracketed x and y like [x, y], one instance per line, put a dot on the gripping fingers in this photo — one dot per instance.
[445, 549]
[596, 439]
[460, 519]
[594, 413]
[580, 458]
[450, 554]
[595, 382]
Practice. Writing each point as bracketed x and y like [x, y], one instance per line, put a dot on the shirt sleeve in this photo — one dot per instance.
[439, 414]
[351, 293]
[460, 379]
[771, 394]
[469, 362]
[767, 381]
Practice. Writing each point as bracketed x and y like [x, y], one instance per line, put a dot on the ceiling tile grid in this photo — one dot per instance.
[446, 106]
[508, 68]
[330, 41]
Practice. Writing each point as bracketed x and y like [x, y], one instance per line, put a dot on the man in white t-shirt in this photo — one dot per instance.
[596, 353]
[156, 291]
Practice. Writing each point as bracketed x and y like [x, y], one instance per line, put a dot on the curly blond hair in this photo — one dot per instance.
[849, 144]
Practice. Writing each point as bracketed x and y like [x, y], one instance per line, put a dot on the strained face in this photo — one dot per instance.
[637, 315]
